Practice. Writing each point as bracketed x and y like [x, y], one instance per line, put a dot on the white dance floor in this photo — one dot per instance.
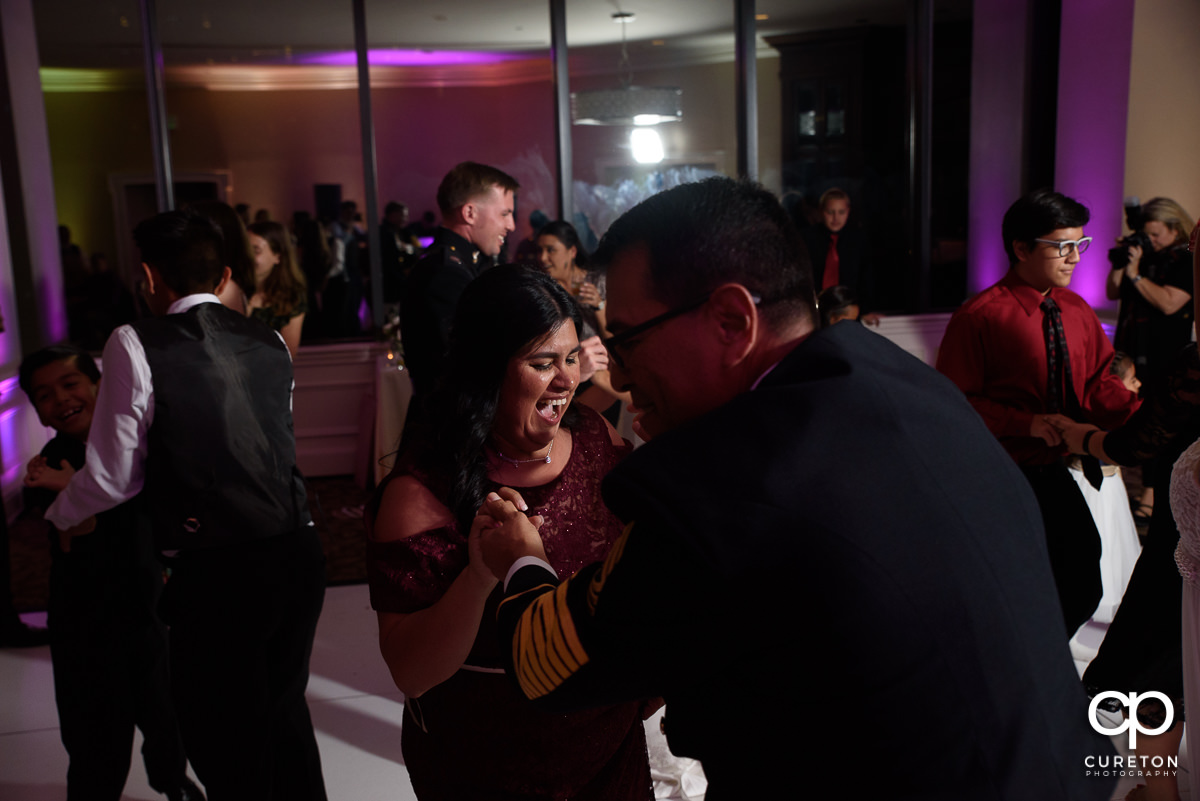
[355, 708]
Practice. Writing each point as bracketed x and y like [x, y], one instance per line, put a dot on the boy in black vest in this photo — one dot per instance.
[195, 408]
[108, 646]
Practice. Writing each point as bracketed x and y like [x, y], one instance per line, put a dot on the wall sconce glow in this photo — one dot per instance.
[647, 145]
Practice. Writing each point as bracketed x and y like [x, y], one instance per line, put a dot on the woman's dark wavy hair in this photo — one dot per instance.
[564, 232]
[284, 288]
[499, 316]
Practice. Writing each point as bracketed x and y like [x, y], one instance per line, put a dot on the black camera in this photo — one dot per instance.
[1134, 220]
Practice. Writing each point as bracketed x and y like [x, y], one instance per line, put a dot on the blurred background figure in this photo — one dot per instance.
[1152, 277]
[282, 299]
[837, 303]
[528, 254]
[563, 256]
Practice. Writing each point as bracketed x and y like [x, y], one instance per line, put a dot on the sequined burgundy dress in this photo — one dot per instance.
[473, 736]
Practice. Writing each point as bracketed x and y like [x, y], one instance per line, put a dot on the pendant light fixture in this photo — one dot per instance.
[628, 105]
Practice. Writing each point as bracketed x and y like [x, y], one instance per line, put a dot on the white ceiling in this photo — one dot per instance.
[107, 33]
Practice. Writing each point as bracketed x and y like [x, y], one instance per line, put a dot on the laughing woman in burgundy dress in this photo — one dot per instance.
[502, 416]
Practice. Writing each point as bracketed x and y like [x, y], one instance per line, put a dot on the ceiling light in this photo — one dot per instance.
[647, 145]
[629, 105]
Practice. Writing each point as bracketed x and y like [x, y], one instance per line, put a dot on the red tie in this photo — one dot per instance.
[831, 264]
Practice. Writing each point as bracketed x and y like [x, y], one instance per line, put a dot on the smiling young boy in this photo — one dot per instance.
[996, 350]
[107, 645]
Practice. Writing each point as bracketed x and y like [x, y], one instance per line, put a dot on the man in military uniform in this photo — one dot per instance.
[477, 215]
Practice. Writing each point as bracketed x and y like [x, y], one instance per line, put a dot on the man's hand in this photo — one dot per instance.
[39, 473]
[1043, 428]
[593, 356]
[502, 534]
[1071, 432]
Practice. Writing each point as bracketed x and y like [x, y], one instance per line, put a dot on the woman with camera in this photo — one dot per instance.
[1152, 277]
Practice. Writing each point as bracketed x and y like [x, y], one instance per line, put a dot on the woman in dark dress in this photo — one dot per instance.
[1155, 287]
[502, 416]
[280, 299]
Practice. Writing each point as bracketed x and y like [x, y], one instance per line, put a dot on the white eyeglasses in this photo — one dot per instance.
[1065, 245]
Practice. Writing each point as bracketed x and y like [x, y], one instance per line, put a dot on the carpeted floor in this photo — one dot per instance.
[336, 504]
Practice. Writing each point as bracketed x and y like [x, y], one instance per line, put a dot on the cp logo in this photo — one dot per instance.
[1131, 701]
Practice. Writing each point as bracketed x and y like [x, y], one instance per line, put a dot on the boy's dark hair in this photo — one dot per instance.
[835, 299]
[1037, 214]
[1121, 361]
[55, 353]
[186, 249]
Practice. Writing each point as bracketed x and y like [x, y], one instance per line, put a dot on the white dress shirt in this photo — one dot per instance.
[114, 470]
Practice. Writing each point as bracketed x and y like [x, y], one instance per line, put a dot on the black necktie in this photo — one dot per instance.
[1060, 388]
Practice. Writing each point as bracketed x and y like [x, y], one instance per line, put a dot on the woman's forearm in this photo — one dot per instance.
[423, 649]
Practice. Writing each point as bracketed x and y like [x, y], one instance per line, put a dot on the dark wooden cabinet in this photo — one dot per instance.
[843, 107]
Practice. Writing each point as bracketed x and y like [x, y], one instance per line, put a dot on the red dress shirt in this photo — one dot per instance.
[995, 351]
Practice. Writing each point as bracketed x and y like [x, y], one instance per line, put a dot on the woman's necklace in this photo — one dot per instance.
[511, 461]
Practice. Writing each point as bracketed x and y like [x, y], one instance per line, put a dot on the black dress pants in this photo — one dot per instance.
[109, 652]
[242, 620]
[1072, 540]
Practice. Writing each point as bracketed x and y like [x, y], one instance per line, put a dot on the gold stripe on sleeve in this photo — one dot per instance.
[546, 648]
[601, 575]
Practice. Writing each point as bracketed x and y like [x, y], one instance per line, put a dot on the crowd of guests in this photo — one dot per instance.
[541, 586]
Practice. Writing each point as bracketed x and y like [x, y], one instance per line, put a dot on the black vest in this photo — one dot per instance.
[221, 460]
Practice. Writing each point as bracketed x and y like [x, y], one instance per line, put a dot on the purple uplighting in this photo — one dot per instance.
[1093, 108]
[408, 58]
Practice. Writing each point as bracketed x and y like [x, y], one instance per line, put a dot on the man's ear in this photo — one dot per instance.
[733, 309]
[151, 284]
[226, 277]
[1021, 250]
[469, 212]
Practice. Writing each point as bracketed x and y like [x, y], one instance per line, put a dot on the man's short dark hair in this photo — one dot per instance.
[392, 207]
[55, 353]
[468, 181]
[701, 235]
[185, 248]
[1037, 214]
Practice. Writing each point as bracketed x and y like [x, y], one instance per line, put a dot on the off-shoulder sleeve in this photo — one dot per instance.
[411, 574]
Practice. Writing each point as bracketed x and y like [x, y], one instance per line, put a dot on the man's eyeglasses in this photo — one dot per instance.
[613, 343]
[1065, 245]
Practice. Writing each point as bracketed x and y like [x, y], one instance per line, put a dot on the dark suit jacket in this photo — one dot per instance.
[428, 302]
[840, 569]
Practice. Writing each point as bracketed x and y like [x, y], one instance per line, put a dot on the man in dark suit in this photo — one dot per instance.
[476, 202]
[195, 408]
[829, 558]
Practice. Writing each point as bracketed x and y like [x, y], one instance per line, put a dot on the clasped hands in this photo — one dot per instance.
[502, 533]
[1057, 429]
[39, 473]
